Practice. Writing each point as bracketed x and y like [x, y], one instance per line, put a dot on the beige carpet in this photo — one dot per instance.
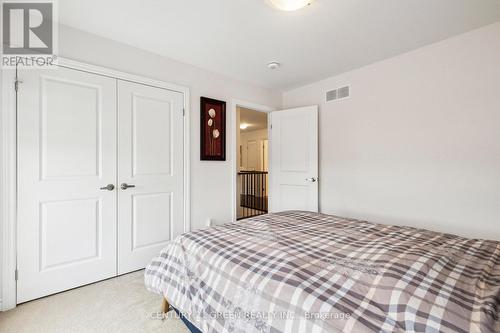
[119, 305]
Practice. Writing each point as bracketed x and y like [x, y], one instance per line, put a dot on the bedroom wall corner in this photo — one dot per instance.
[417, 143]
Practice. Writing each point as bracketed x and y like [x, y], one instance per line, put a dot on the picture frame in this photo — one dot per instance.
[212, 129]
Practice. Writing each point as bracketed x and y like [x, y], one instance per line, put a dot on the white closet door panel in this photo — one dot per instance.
[66, 153]
[150, 157]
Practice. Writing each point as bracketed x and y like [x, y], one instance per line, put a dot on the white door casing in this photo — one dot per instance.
[150, 157]
[265, 155]
[294, 159]
[233, 131]
[66, 153]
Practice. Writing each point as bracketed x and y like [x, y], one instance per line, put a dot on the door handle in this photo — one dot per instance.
[125, 186]
[109, 187]
[311, 180]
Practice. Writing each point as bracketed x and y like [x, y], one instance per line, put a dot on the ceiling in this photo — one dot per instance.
[255, 119]
[238, 38]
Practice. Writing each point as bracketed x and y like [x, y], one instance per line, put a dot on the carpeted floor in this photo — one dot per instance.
[119, 305]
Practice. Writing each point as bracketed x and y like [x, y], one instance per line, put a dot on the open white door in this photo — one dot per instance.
[294, 159]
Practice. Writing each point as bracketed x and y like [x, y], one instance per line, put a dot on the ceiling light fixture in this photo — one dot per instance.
[290, 5]
[244, 126]
[273, 65]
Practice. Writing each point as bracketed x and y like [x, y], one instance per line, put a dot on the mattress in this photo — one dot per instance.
[307, 272]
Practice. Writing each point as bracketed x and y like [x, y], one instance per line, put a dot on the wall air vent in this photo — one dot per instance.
[337, 94]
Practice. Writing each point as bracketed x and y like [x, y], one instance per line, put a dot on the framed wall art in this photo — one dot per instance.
[213, 129]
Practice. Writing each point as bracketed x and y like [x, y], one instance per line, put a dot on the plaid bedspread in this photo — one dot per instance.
[308, 272]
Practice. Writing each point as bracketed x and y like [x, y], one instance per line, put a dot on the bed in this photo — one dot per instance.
[307, 272]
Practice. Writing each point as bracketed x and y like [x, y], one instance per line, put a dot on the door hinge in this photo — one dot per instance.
[16, 84]
[183, 112]
[17, 274]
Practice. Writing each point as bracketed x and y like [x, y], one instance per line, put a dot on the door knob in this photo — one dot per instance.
[125, 186]
[109, 187]
[311, 180]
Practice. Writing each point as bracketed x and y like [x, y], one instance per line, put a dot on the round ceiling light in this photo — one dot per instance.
[290, 5]
[273, 65]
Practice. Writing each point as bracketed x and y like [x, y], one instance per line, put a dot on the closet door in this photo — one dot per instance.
[66, 154]
[150, 172]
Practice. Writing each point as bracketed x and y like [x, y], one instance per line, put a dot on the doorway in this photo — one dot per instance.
[252, 157]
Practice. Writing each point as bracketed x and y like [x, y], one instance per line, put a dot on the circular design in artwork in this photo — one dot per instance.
[211, 113]
[216, 133]
[210, 122]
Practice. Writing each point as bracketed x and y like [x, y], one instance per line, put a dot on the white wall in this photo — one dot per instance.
[1, 187]
[418, 143]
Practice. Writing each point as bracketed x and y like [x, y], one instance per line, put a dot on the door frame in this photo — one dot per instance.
[8, 165]
[234, 155]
